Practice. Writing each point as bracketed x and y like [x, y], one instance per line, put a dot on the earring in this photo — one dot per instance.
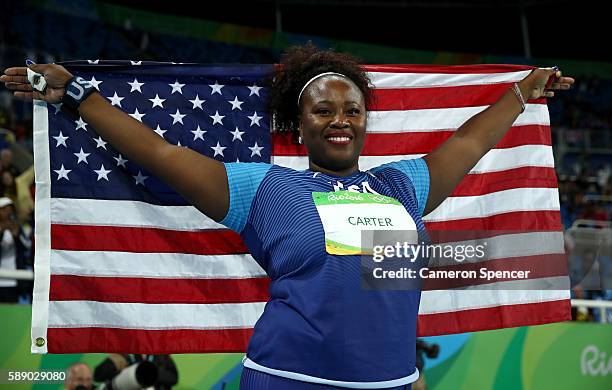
[300, 141]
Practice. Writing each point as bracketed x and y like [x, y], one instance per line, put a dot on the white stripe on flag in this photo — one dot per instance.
[121, 213]
[403, 80]
[427, 120]
[128, 213]
[516, 199]
[495, 160]
[517, 157]
[442, 301]
[73, 314]
[507, 246]
[152, 265]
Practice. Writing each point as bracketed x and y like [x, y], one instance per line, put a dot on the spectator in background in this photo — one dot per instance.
[7, 183]
[8, 251]
[6, 162]
[24, 200]
[15, 252]
[603, 175]
[78, 377]
[18, 190]
[601, 214]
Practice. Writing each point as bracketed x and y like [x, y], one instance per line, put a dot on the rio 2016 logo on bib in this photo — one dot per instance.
[346, 214]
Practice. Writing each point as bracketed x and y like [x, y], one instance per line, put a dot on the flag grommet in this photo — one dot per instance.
[40, 342]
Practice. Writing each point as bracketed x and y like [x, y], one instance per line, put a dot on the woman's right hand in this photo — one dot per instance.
[56, 76]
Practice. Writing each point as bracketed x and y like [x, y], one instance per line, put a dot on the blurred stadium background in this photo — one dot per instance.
[572, 35]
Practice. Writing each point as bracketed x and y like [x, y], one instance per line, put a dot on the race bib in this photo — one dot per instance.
[345, 215]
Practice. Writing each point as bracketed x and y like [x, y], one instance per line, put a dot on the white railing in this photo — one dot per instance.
[594, 304]
[597, 198]
[591, 224]
[19, 274]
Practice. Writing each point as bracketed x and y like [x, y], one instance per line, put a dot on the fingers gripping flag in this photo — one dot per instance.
[125, 264]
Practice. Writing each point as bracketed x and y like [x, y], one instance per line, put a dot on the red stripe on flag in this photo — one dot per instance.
[115, 340]
[109, 340]
[486, 183]
[471, 320]
[406, 143]
[445, 69]
[399, 99]
[145, 240]
[548, 220]
[539, 266]
[383, 144]
[452, 236]
[157, 290]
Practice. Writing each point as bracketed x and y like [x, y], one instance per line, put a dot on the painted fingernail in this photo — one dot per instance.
[30, 62]
[555, 68]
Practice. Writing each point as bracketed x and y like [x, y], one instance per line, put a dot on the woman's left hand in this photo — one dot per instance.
[534, 85]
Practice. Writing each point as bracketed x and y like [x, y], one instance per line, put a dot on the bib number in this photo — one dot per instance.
[345, 215]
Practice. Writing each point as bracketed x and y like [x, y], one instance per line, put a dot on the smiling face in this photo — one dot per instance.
[332, 124]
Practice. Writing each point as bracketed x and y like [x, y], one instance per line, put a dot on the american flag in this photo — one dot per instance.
[124, 264]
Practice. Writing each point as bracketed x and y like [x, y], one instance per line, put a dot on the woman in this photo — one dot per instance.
[319, 329]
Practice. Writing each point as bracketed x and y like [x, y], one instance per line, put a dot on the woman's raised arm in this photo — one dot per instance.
[201, 180]
[450, 162]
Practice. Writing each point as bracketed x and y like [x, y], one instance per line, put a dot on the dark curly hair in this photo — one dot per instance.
[298, 65]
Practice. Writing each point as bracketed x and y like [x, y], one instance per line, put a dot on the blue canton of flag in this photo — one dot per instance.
[218, 111]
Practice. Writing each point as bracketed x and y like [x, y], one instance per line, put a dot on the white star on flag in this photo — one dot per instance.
[102, 173]
[217, 118]
[136, 85]
[62, 172]
[100, 143]
[197, 103]
[140, 178]
[254, 89]
[136, 62]
[216, 88]
[120, 161]
[115, 100]
[92, 62]
[61, 140]
[157, 101]
[218, 149]
[256, 150]
[198, 133]
[82, 156]
[136, 115]
[178, 117]
[176, 87]
[235, 103]
[255, 119]
[57, 106]
[95, 83]
[81, 124]
[160, 131]
[237, 134]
